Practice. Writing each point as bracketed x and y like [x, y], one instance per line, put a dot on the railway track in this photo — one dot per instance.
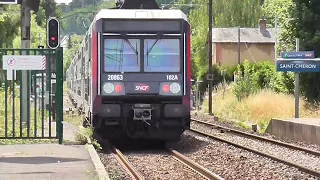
[129, 168]
[307, 150]
[122, 160]
[194, 166]
[302, 168]
[134, 173]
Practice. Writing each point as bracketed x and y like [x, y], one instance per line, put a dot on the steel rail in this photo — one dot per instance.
[126, 164]
[307, 150]
[196, 167]
[123, 161]
[301, 168]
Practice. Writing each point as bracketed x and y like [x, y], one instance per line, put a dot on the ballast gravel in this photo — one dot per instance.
[298, 157]
[233, 163]
[113, 168]
[207, 118]
[161, 165]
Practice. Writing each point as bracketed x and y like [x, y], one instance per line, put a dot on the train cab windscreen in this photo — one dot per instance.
[159, 55]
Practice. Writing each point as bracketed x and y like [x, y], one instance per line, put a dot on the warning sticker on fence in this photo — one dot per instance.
[23, 62]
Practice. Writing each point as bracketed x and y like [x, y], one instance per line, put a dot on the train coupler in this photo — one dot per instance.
[142, 112]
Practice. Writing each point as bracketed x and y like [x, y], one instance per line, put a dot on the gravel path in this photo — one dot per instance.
[233, 163]
[66, 101]
[160, 165]
[207, 118]
[298, 157]
[113, 168]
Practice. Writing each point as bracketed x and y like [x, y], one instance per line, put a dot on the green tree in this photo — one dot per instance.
[53, 10]
[306, 27]
[9, 23]
[225, 14]
[281, 10]
[79, 19]
[69, 53]
[38, 35]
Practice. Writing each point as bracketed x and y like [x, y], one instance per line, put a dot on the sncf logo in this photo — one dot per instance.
[142, 87]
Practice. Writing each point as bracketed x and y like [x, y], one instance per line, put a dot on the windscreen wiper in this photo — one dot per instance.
[132, 47]
[159, 37]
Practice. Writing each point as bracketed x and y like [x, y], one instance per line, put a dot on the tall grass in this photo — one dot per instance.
[13, 110]
[259, 107]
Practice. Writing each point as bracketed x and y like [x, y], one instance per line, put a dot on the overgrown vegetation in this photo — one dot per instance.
[260, 92]
[10, 120]
[258, 95]
[81, 135]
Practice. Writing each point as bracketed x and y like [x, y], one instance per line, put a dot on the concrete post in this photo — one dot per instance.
[25, 44]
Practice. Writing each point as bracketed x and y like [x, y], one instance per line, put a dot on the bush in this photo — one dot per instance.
[310, 86]
[261, 75]
[246, 83]
[251, 78]
[217, 76]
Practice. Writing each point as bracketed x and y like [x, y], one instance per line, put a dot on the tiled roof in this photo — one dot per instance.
[248, 35]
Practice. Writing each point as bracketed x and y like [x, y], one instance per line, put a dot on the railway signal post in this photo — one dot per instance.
[53, 36]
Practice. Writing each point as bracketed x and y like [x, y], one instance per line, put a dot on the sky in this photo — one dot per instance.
[63, 1]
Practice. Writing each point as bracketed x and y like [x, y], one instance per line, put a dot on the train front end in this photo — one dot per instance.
[143, 74]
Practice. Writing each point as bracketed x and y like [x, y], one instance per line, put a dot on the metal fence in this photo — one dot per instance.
[31, 94]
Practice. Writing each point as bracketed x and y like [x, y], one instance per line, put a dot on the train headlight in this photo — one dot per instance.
[170, 89]
[108, 88]
[175, 88]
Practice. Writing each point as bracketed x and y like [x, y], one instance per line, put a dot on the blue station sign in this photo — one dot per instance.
[298, 65]
[298, 55]
[301, 61]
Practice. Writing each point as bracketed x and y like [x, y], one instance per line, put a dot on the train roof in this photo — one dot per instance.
[140, 14]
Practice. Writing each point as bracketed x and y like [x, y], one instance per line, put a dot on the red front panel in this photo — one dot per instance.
[94, 66]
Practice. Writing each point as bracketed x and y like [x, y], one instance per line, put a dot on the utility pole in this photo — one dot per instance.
[296, 85]
[25, 44]
[239, 45]
[276, 40]
[210, 76]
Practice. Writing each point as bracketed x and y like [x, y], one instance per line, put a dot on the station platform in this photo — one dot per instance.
[45, 161]
[299, 129]
[51, 161]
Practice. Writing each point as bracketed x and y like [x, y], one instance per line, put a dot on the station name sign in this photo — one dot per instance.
[303, 61]
[298, 66]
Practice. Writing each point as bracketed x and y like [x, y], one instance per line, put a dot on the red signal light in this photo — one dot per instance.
[118, 88]
[165, 88]
[53, 33]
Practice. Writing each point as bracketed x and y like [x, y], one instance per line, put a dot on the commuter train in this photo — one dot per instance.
[131, 75]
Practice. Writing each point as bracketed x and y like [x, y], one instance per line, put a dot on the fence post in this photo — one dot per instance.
[59, 93]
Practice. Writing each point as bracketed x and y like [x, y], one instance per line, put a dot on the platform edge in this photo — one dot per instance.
[101, 171]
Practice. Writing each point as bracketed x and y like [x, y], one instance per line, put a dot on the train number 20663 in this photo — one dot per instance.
[115, 77]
